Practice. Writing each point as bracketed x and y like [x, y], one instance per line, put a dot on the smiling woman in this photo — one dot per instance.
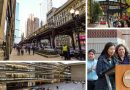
[122, 54]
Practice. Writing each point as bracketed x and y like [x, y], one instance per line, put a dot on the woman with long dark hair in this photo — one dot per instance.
[122, 54]
[106, 60]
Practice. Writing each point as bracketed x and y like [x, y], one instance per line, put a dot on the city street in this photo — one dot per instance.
[98, 26]
[116, 14]
[43, 32]
[31, 57]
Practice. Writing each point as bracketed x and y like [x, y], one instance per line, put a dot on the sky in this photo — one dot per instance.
[36, 7]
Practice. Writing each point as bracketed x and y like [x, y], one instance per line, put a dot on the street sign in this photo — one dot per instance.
[114, 7]
[113, 3]
[109, 3]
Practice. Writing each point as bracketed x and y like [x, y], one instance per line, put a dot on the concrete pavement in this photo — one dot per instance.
[100, 26]
[61, 86]
[31, 57]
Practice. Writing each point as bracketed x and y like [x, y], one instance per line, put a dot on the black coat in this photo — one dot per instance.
[102, 66]
[120, 61]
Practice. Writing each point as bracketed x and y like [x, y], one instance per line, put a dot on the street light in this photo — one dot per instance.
[76, 12]
[33, 41]
[72, 11]
[75, 16]
[108, 13]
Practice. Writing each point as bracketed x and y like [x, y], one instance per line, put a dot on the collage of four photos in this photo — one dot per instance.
[43, 44]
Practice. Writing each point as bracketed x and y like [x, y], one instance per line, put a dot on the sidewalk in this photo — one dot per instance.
[35, 57]
[97, 26]
[31, 57]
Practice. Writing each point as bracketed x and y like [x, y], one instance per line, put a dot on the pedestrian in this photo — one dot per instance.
[125, 24]
[65, 52]
[106, 60]
[115, 22]
[14, 47]
[33, 49]
[29, 50]
[124, 17]
[120, 22]
[61, 51]
[26, 48]
[128, 22]
[122, 54]
[57, 87]
[83, 84]
[68, 53]
[22, 50]
[18, 50]
[91, 69]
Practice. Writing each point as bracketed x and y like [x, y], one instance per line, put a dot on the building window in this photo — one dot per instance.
[65, 19]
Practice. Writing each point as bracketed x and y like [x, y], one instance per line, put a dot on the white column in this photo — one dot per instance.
[3, 86]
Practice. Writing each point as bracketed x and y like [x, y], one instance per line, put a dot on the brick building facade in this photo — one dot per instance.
[98, 38]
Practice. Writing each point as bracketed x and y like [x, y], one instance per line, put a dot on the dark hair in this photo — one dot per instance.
[121, 45]
[92, 50]
[107, 46]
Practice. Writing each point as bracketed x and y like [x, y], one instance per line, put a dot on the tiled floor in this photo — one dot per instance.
[63, 86]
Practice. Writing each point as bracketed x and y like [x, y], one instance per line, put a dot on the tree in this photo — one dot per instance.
[128, 9]
[128, 2]
[89, 9]
[94, 11]
[97, 11]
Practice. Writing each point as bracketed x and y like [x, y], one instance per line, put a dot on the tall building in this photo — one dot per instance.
[36, 23]
[49, 5]
[7, 23]
[2, 25]
[17, 34]
[43, 10]
[60, 22]
[59, 16]
[32, 24]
